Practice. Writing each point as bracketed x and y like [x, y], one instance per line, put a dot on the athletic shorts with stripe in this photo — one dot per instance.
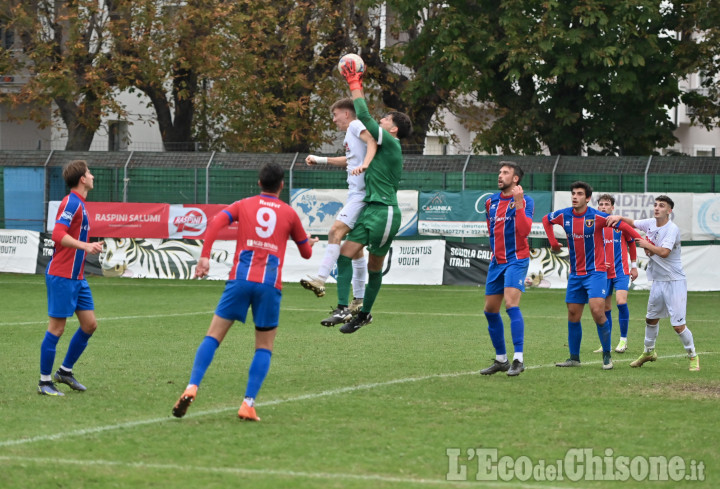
[376, 227]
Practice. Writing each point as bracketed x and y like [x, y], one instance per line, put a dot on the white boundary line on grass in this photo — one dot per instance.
[276, 472]
[296, 309]
[303, 397]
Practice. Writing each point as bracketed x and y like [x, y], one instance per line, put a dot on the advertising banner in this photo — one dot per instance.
[462, 214]
[639, 206]
[18, 250]
[147, 220]
[466, 264]
[706, 217]
[417, 262]
[551, 270]
[318, 209]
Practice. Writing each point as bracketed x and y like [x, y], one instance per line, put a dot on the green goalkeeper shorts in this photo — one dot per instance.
[376, 227]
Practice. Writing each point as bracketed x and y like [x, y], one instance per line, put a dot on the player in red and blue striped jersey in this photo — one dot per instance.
[67, 290]
[264, 225]
[587, 283]
[621, 271]
[509, 219]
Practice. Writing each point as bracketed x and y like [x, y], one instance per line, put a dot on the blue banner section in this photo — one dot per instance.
[24, 198]
[463, 213]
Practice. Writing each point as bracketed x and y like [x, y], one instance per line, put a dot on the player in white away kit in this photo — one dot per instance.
[360, 147]
[668, 293]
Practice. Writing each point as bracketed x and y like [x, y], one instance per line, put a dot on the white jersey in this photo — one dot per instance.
[355, 150]
[667, 236]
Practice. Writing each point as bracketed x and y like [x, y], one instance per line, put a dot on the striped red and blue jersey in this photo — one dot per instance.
[616, 246]
[508, 231]
[70, 262]
[585, 238]
[264, 225]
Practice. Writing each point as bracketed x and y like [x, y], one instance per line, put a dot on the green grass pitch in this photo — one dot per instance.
[386, 407]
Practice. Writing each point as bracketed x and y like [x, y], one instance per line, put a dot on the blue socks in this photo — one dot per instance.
[47, 353]
[203, 359]
[258, 370]
[517, 328]
[604, 334]
[574, 339]
[77, 346]
[608, 316]
[497, 332]
[623, 319]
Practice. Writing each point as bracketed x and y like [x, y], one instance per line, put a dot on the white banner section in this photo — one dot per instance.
[640, 206]
[706, 217]
[418, 262]
[476, 229]
[550, 270]
[318, 208]
[18, 250]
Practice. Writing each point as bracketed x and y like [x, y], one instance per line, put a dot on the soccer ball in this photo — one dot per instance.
[359, 63]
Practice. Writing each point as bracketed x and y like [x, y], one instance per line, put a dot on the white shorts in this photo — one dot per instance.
[668, 299]
[348, 215]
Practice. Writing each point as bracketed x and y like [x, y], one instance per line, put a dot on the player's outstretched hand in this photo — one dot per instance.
[352, 76]
[312, 240]
[556, 248]
[360, 169]
[310, 160]
[612, 220]
[94, 248]
[202, 268]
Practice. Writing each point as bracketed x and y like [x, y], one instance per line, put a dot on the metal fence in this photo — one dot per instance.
[217, 177]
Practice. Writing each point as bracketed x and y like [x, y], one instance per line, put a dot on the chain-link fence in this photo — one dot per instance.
[219, 178]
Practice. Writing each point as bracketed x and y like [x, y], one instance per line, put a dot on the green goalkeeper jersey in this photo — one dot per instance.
[382, 178]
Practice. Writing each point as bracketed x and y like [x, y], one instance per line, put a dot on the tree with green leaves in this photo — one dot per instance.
[699, 21]
[570, 76]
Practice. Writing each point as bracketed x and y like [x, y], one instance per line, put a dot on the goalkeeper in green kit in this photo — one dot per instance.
[379, 222]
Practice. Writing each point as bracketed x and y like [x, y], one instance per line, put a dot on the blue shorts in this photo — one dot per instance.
[581, 287]
[239, 295]
[65, 296]
[506, 275]
[621, 282]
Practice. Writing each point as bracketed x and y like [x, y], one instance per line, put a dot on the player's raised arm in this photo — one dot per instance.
[339, 161]
[613, 220]
[620, 224]
[221, 220]
[367, 138]
[523, 212]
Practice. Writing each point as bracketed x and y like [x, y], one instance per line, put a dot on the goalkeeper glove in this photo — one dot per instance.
[353, 78]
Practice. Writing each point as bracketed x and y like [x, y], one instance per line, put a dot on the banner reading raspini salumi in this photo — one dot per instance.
[148, 220]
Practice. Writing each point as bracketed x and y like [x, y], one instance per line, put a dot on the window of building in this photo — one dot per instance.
[703, 150]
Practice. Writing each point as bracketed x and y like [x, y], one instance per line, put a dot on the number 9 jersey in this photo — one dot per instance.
[265, 223]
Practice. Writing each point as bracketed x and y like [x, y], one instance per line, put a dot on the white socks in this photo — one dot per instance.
[359, 279]
[332, 252]
[518, 356]
[501, 358]
[651, 332]
[687, 340]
